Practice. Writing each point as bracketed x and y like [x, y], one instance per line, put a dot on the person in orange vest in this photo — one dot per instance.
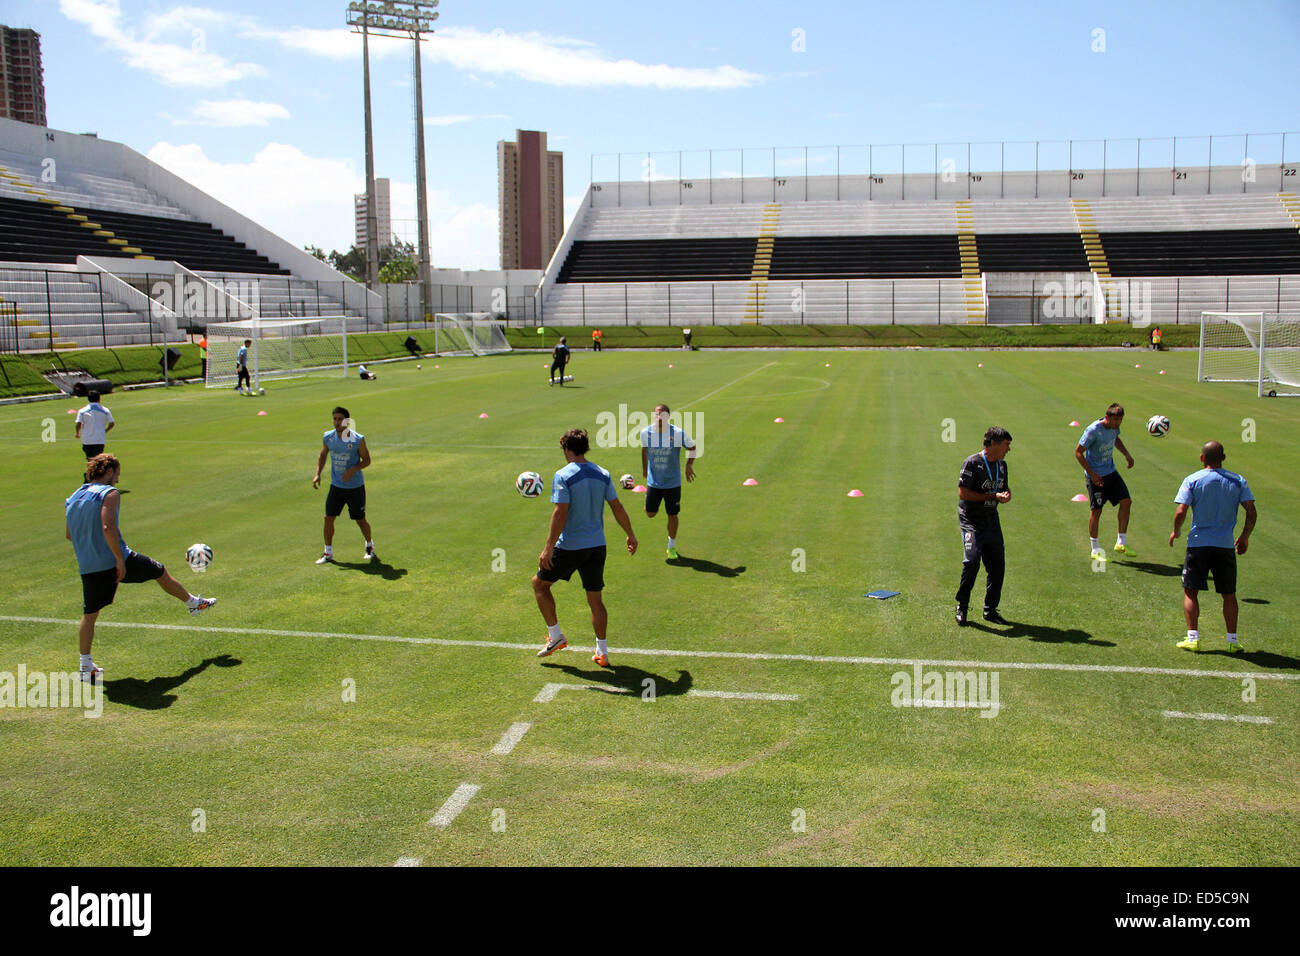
[1155, 338]
[595, 339]
[203, 355]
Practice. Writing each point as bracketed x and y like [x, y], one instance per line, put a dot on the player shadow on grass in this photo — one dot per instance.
[1258, 658]
[1149, 567]
[387, 571]
[153, 694]
[1042, 633]
[633, 679]
[701, 564]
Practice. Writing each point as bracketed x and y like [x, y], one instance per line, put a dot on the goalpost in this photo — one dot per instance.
[280, 348]
[466, 332]
[1262, 348]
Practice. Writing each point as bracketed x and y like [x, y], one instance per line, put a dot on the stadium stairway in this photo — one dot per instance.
[1291, 204]
[1093, 247]
[972, 281]
[757, 296]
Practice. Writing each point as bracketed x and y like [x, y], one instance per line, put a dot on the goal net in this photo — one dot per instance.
[278, 348]
[470, 332]
[1262, 348]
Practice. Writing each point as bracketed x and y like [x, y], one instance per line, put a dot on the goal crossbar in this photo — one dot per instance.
[1260, 348]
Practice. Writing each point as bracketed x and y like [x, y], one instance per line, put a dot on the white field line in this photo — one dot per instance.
[739, 695]
[1235, 718]
[547, 693]
[408, 861]
[717, 655]
[455, 803]
[510, 738]
[728, 385]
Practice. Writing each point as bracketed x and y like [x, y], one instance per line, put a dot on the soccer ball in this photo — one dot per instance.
[199, 556]
[261, 391]
[627, 481]
[529, 484]
[1158, 425]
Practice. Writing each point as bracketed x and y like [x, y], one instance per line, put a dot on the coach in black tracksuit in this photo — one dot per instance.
[980, 489]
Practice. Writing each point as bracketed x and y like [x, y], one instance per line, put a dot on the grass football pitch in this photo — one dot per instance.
[361, 715]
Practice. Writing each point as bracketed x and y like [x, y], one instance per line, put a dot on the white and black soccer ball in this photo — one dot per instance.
[199, 556]
[529, 484]
[627, 481]
[1158, 426]
[261, 391]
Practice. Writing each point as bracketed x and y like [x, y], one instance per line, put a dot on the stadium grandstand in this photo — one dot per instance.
[100, 246]
[1143, 244]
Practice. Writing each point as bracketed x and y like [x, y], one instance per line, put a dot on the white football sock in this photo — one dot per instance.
[601, 648]
[86, 662]
[553, 631]
[329, 549]
[1193, 635]
[193, 601]
[1123, 539]
[1232, 638]
[672, 542]
[370, 544]
[1095, 545]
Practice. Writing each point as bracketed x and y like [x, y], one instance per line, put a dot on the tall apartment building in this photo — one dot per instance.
[530, 194]
[383, 215]
[22, 81]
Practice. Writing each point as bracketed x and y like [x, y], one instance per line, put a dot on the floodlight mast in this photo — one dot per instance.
[392, 18]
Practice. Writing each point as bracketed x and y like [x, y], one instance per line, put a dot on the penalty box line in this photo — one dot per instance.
[715, 655]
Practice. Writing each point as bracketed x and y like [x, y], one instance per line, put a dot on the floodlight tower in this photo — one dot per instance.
[392, 18]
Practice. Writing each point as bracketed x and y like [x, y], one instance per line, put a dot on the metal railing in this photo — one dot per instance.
[513, 304]
[1045, 299]
[52, 307]
[1134, 166]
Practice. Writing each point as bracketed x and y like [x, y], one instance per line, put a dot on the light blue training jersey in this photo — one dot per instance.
[584, 487]
[1098, 444]
[241, 357]
[1214, 495]
[83, 512]
[344, 455]
[664, 455]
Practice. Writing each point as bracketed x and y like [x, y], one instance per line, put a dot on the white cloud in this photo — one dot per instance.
[308, 199]
[335, 44]
[229, 113]
[461, 236]
[564, 61]
[453, 119]
[537, 57]
[304, 199]
[169, 63]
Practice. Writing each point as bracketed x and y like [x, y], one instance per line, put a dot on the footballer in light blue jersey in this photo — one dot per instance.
[104, 560]
[346, 450]
[1095, 453]
[1213, 494]
[661, 466]
[576, 541]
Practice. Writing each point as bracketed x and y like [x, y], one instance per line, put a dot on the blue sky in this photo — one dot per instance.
[259, 103]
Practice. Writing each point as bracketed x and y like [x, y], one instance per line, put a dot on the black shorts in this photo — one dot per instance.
[99, 587]
[588, 562]
[1112, 489]
[92, 450]
[354, 498]
[671, 497]
[1201, 563]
